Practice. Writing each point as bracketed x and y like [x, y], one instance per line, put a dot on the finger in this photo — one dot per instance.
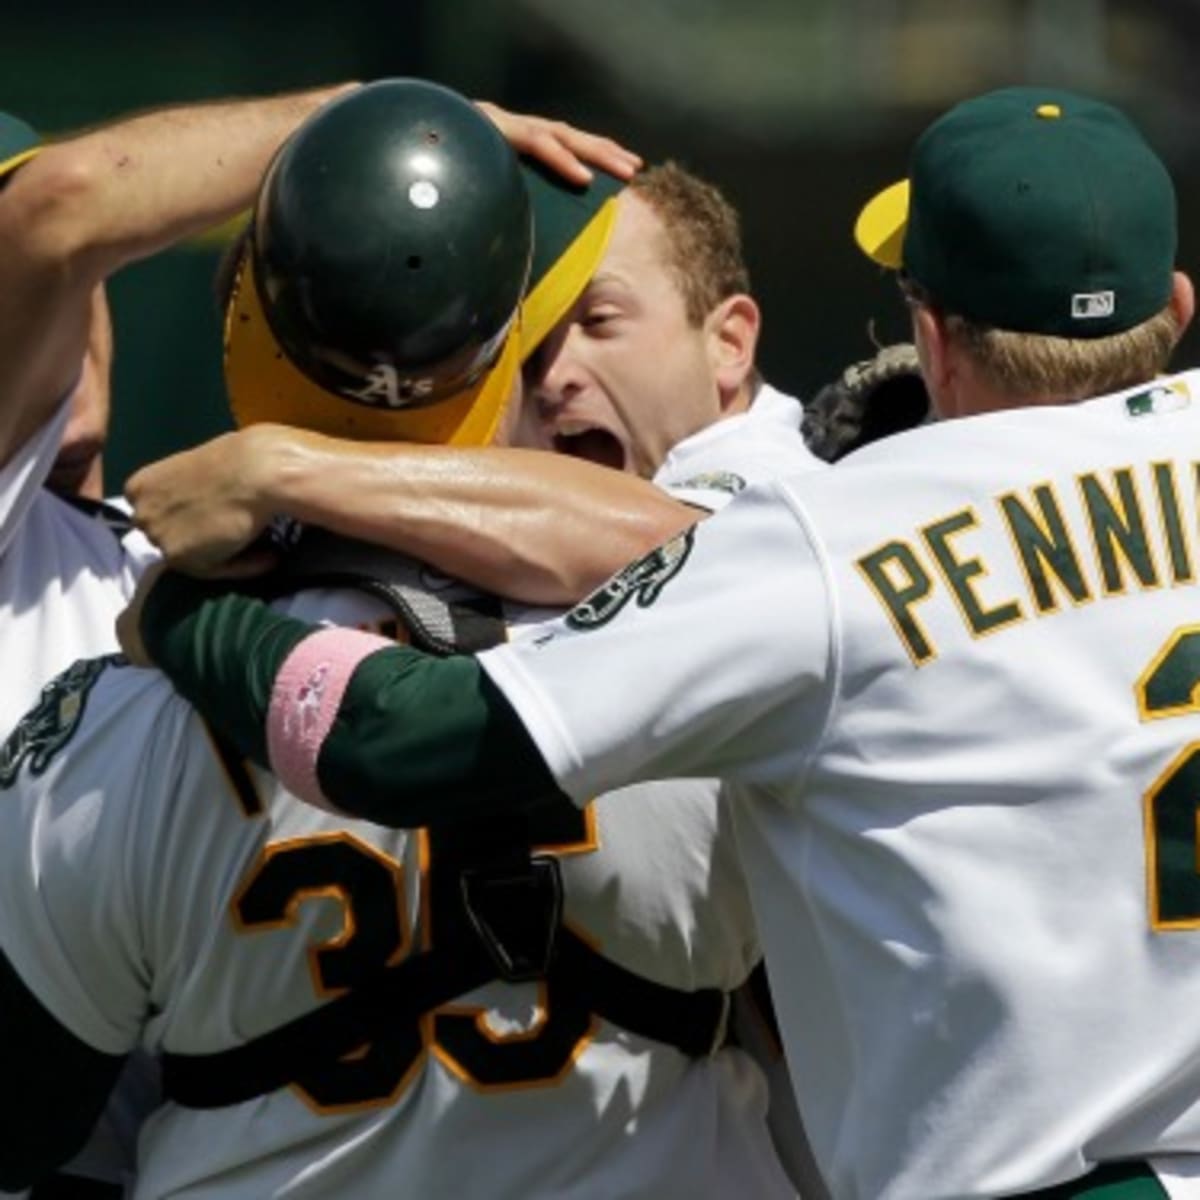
[598, 150]
[561, 146]
[550, 149]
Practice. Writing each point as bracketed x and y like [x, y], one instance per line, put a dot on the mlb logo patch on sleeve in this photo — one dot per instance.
[1162, 398]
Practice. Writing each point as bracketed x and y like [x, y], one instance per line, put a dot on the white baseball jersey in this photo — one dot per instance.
[153, 898]
[762, 443]
[954, 684]
[765, 443]
[64, 577]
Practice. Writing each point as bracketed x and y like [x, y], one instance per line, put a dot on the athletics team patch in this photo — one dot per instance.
[49, 725]
[643, 580]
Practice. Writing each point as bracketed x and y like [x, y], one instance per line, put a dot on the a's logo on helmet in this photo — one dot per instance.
[387, 388]
[643, 580]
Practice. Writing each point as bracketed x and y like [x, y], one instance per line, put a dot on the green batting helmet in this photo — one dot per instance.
[389, 249]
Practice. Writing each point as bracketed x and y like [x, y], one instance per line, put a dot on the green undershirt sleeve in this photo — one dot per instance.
[420, 740]
[417, 740]
[222, 651]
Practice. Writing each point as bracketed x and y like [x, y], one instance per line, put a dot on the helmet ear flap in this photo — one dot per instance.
[379, 287]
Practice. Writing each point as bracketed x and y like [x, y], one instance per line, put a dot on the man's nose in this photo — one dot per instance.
[558, 373]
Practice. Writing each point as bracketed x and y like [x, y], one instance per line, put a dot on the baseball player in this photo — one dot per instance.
[72, 213]
[75, 211]
[599, 1075]
[952, 684]
[72, 218]
[570, 522]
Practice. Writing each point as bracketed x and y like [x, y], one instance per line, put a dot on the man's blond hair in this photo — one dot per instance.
[1031, 366]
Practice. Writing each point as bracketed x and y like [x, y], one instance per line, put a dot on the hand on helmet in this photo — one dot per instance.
[560, 146]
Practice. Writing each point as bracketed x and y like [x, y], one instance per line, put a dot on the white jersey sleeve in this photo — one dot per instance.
[71, 924]
[749, 709]
[21, 478]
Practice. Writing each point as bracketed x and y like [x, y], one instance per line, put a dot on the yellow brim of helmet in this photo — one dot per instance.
[879, 230]
[264, 385]
[551, 297]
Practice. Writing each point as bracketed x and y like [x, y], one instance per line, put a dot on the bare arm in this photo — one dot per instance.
[537, 527]
[86, 206]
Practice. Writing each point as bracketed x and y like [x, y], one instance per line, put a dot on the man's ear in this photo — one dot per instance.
[733, 328]
[1183, 300]
[937, 362]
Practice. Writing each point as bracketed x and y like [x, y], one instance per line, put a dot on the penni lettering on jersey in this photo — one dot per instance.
[1121, 530]
[642, 581]
[47, 727]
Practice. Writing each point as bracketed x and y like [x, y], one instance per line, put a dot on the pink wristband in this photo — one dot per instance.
[305, 700]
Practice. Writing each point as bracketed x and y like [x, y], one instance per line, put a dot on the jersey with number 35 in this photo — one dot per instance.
[156, 890]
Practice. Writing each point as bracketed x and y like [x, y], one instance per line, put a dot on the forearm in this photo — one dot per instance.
[125, 190]
[537, 527]
[86, 206]
[376, 730]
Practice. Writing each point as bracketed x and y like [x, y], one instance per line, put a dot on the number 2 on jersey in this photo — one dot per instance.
[1170, 687]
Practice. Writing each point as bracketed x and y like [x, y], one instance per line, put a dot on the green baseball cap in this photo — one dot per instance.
[18, 142]
[1034, 210]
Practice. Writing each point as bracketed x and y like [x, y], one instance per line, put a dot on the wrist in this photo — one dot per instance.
[275, 470]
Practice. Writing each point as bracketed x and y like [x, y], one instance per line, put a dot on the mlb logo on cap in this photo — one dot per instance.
[1091, 306]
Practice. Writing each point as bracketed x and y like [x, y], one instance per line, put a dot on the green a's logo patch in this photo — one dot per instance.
[48, 726]
[643, 580]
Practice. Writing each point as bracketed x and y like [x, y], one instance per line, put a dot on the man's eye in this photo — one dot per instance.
[598, 317]
[534, 366]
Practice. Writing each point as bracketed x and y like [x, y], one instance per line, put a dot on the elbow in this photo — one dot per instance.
[629, 542]
[56, 204]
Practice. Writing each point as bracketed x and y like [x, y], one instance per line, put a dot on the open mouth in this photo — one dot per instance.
[593, 445]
